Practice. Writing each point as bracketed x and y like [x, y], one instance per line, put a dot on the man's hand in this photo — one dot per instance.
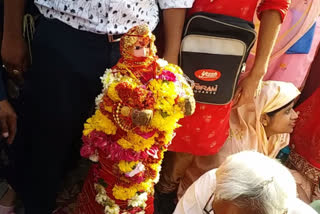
[8, 121]
[247, 89]
[14, 54]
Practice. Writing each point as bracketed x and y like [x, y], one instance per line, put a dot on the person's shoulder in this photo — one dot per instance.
[299, 207]
[196, 196]
[208, 178]
[205, 185]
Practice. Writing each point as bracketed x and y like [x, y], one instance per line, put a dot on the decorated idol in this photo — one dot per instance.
[136, 114]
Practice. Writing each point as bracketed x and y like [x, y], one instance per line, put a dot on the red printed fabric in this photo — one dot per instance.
[86, 203]
[281, 6]
[305, 139]
[203, 133]
[243, 9]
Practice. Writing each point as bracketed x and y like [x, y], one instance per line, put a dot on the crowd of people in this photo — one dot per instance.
[88, 81]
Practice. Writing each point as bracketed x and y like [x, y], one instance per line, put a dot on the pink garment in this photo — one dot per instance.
[292, 67]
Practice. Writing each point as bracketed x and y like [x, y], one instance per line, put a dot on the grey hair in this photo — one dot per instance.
[250, 179]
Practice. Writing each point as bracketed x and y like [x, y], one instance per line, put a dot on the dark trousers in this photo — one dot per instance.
[58, 97]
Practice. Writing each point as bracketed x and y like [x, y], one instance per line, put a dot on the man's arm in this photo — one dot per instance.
[8, 117]
[14, 49]
[14, 56]
[2, 86]
[268, 33]
[173, 20]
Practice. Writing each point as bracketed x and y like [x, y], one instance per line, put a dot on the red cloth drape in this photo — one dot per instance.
[243, 9]
[305, 139]
[204, 132]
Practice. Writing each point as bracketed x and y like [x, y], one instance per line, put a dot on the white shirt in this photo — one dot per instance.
[107, 16]
[197, 195]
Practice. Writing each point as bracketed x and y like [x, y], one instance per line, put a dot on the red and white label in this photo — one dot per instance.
[207, 74]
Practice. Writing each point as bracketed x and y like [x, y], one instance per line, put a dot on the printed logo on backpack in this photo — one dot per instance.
[213, 54]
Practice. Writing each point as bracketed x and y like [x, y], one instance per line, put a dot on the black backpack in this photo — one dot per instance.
[213, 52]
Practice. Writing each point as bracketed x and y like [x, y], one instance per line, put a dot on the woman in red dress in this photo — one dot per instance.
[203, 134]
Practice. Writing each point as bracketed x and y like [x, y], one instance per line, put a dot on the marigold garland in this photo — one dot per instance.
[168, 93]
[112, 92]
[136, 142]
[99, 122]
[125, 166]
[125, 193]
[166, 123]
[135, 152]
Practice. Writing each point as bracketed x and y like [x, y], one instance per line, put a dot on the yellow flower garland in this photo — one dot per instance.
[99, 122]
[166, 93]
[125, 193]
[125, 166]
[173, 68]
[168, 123]
[155, 166]
[112, 93]
[108, 108]
[166, 114]
[136, 142]
[180, 77]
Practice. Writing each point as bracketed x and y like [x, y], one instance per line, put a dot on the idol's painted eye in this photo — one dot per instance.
[137, 47]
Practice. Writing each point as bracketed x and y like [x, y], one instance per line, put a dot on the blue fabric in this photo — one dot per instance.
[286, 150]
[283, 154]
[303, 45]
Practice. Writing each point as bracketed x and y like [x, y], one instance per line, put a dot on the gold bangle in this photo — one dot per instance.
[117, 119]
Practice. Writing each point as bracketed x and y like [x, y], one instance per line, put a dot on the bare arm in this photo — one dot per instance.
[173, 25]
[13, 49]
[13, 52]
[13, 15]
[268, 32]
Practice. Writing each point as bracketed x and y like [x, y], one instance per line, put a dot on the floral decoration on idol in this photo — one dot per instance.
[142, 100]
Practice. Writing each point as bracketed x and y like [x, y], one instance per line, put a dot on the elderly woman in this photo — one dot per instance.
[246, 183]
[263, 126]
